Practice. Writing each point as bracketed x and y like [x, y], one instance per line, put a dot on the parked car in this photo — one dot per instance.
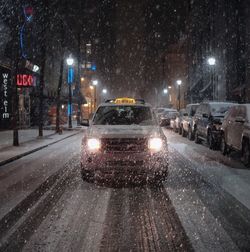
[175, 124]
[236, 132]
[124, 143]
[160, 111]
[186, 127]
[207, 122]
[167, 116]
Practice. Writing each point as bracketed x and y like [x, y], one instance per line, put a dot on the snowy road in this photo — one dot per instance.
[200, 207]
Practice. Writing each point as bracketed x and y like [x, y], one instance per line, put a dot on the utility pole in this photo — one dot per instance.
[45, 24]
[78, 83]
[15, 58]
[41, 90]
[59, 96]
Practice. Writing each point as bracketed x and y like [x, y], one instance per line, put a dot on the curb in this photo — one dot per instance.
[7, 161]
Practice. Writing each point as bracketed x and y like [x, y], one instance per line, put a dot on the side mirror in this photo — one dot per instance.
[85, 122]
[240, 119]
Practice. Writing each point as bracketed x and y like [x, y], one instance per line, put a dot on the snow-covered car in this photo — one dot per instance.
[166, 116]
[207, 122]
[161, 110]
[236, 132]
[124, 143]
[186, 127]
[175, 124]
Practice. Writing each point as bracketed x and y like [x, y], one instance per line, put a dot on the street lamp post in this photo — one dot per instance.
[95, 83]
[212, 62]
[179, 82]
[104, 92]
[70, 63]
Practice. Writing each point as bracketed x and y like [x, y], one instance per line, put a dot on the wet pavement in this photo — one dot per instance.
[188, 212]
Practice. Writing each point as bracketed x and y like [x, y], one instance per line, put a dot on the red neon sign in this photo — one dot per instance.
[25, 80]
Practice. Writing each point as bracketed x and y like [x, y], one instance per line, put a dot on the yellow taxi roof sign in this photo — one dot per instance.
[125, 100]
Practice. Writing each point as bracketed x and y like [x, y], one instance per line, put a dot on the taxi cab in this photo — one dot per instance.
[124, 143]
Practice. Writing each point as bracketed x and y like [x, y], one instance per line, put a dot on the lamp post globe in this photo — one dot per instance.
[179, 82]
[95, 82]
[70, 61]
[211, 61]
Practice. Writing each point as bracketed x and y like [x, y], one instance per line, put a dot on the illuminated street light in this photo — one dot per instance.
[179, 82]
[211, 61]
[165, 91]
[104, 91]
[95, 82]
[70, 61]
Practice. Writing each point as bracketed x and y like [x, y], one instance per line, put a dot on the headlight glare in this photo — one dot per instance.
[155, 144]
[93, 144]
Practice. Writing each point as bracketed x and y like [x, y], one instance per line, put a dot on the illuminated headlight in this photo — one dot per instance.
[93, 144]
[155, 144]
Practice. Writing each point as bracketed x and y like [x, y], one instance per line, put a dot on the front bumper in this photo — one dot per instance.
[125, 166]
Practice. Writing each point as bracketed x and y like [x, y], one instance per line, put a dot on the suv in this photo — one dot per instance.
[124, 142]
[187, 121]
[236, 132]
[207, 122]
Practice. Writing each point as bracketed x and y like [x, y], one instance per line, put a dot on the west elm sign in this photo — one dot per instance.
[5, 97]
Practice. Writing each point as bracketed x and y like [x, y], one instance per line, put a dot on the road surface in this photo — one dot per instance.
[45, 206]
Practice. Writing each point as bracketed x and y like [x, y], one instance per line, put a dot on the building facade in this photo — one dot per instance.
[218, 29]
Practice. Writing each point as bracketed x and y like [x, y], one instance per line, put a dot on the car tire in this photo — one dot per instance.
[210, 140]
[246, 153]
[196, 137]
[190, 134]
[183, 133]
[223, 146]
[180, 130]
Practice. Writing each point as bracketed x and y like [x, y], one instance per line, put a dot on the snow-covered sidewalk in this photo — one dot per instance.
[29, 142]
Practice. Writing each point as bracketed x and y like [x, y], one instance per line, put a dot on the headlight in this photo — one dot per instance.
[93, 144]
[155, 144]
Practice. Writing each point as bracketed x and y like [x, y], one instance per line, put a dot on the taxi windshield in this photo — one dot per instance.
[123, 115]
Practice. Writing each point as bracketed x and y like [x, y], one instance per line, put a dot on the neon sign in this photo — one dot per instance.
[25, 80]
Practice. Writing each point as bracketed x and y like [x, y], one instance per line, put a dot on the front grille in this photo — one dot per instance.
[124, 144]
[124, 163]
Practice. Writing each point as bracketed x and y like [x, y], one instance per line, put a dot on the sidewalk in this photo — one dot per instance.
[29, 142]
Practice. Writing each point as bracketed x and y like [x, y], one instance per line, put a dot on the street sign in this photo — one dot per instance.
[5, 97]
